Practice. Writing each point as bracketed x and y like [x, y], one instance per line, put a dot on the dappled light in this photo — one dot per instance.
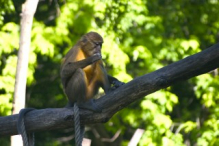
[139, 37]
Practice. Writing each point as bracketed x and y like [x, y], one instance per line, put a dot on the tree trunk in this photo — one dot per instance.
[28, 10]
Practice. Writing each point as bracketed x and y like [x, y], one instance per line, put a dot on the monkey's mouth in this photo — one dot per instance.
[97, 52]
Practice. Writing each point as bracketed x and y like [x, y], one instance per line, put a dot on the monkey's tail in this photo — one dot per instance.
[28, 140]
[79, 129]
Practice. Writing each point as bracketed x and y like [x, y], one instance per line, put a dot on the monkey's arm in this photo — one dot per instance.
[71, 67]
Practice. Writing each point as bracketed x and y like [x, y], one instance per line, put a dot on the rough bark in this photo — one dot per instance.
[60, 118]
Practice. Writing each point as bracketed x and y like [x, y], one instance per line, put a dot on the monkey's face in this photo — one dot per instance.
[97, 46]
[92, 43]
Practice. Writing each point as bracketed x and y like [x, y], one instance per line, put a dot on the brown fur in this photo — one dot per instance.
[94, 74]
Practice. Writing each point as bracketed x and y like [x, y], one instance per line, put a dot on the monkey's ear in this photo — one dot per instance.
[84, 40]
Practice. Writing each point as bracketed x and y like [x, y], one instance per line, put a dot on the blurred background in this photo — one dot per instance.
[140, 36]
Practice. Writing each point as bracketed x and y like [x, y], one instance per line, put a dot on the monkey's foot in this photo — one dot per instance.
[116, 84]
[90, 105]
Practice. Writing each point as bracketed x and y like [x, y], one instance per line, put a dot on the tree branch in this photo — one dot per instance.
[59, 118]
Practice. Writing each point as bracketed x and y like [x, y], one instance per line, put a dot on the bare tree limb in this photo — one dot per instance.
[136, 137]
[59, 118]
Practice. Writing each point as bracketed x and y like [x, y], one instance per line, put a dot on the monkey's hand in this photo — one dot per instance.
[96, 57]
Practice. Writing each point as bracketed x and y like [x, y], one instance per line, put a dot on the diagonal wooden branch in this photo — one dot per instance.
[59, 118]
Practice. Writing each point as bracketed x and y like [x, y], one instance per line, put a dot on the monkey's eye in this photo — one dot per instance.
[98, 44]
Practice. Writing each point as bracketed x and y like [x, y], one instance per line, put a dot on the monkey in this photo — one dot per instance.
[83, 73]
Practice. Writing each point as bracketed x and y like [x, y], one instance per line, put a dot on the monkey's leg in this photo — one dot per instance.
[103, 78]
[77, 89]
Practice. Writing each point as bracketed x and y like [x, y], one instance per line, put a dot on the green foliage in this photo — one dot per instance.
[8, 65]
[6, 7]
[139, 37]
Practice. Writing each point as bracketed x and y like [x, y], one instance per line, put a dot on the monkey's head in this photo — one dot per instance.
[91, 43]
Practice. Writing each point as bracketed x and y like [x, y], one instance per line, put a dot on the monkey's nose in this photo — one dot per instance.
[98, 48]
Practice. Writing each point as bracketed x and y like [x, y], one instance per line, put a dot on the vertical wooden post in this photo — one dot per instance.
[28, 11]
